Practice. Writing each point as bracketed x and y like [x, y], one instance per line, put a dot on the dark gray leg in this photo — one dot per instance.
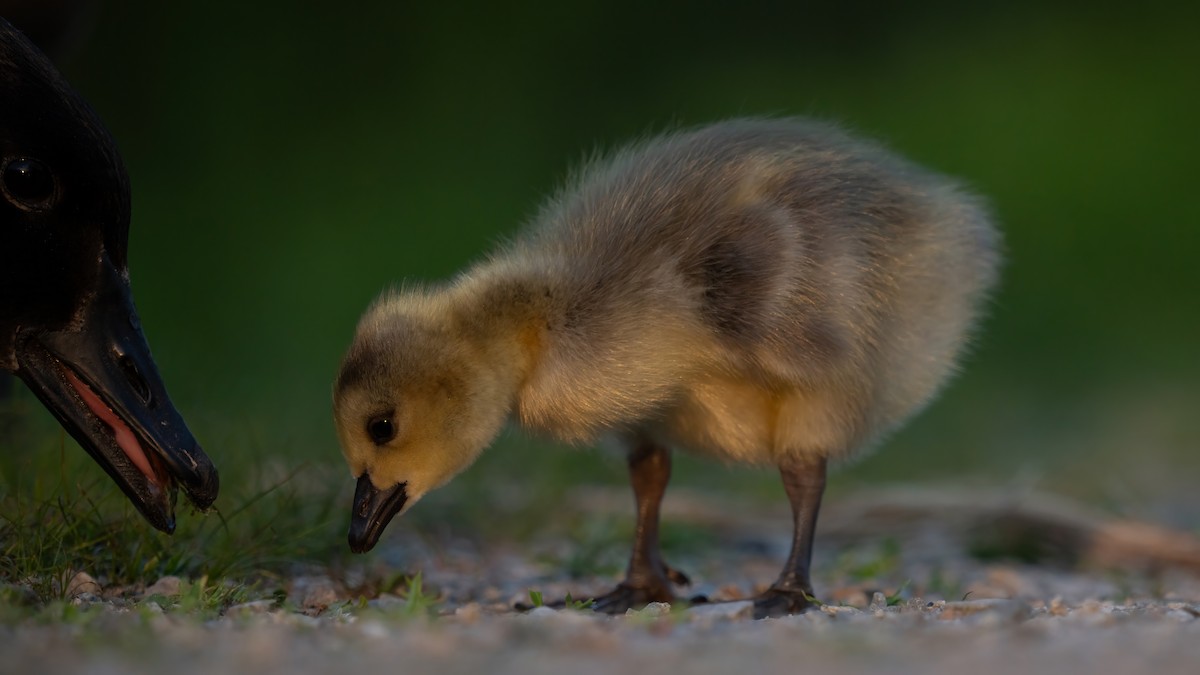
[648, 578]
[804, 481]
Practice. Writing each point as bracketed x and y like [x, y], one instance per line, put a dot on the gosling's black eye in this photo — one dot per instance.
[28, 183]
[381, 429]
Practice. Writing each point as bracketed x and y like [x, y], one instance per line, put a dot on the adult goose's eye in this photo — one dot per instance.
[28, 183]
[381, 429]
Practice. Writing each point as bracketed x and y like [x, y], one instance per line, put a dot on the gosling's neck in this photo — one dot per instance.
[506, 315]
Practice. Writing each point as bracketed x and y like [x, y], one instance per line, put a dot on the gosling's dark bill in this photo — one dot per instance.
[772, 292]
[68, 326]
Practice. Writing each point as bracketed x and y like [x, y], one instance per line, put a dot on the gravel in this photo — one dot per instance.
[982, 636]
[920, 610]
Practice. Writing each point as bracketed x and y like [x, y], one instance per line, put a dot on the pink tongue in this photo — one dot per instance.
[121, 431]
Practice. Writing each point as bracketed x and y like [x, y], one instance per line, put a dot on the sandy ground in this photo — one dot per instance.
[1003, 638]
[1081, 613]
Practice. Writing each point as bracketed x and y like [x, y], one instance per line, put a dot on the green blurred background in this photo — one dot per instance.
[291, 160]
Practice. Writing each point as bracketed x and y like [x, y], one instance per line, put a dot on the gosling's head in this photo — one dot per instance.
[415, 403]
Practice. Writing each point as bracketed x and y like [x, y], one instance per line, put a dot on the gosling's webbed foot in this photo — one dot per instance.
[626, 596]
[616, 601]
[635, 595]
[782, 602]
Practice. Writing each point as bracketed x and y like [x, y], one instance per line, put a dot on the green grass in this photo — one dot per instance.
[897, 596]
[537, 600]
[417, 602]
[60, 514]
[577, 605]
[204, 599]
[91, 528]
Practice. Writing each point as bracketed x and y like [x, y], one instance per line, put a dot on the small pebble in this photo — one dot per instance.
[878, 601]
[82, 583]
[542, 612]
[168, 586]
[1058, 607]
[374, 629]
[313, 593]
[250, 608]
[83, 599]
[652, 609]
[469, 613]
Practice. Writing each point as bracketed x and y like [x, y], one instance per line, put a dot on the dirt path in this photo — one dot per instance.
[894, 608]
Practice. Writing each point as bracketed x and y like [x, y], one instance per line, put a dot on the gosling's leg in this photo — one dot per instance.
[804, 481]
[648, 578]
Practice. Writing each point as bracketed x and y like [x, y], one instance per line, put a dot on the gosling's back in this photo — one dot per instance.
[755, 289]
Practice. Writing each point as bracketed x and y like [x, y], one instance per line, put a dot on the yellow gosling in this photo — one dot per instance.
[768, 291]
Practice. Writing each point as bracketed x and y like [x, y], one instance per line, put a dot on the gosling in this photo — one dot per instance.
[766, 291]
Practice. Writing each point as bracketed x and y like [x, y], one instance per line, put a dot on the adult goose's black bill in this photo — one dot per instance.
[68, 326]
[373, 510]
[101, 383]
